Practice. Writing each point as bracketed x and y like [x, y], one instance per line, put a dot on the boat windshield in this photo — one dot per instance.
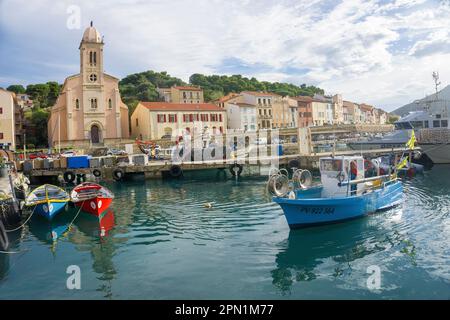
[402, 125]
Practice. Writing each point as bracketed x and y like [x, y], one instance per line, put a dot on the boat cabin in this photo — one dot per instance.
[334, 170]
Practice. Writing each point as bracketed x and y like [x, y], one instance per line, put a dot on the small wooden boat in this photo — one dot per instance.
[344, 194]
[48, 200]
[92, 198]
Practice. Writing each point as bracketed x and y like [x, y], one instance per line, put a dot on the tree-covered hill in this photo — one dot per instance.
[142, 86]
[216, 86]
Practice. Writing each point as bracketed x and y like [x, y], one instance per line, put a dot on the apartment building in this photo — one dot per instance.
[181, 94]
[11, 121]
[156, 120]
[263, 102]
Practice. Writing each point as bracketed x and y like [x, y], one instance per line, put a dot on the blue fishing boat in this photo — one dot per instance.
[344, 193]
[48, 200]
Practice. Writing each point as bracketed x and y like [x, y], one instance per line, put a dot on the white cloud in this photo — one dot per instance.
[373, 51]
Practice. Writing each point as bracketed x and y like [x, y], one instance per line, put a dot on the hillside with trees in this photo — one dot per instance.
[142, 86]
[215, 86]
[44, 96]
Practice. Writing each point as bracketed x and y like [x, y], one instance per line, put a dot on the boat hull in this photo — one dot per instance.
[306, 212]
[95, 206]
[49, 209]
[438, 153]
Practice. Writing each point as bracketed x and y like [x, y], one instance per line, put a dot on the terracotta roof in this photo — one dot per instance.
[366, 107]
[261, 94]
[228, 97]
[303, 98]
[190, 88]
[167, 106]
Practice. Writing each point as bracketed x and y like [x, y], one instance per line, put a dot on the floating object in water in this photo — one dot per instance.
[92, 198]
[48, 200]
[344, 193]
[208, 205]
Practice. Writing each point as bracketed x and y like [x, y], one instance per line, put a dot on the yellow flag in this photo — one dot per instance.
[402, 163]
[412, 141]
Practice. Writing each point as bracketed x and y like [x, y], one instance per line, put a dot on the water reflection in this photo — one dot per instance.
[340, 246]
[49, 232]
[95, 234]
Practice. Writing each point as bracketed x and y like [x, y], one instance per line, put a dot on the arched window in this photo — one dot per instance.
[77, 104]
[110, 103]
[95, 58]
[90, 57]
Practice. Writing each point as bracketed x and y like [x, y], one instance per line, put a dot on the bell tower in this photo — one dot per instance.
[91, 57]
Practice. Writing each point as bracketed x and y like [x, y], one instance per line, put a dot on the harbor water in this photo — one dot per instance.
[161, 241]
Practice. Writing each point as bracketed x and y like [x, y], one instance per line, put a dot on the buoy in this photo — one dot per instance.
[69, 176]
[118, 174]
[4, 241]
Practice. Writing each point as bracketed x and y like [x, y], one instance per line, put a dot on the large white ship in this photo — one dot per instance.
[430, 122]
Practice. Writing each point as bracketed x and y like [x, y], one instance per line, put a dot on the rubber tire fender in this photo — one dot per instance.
[97, 173]
[236, 172]
[118, 174]
[69, 176]
[175, 171]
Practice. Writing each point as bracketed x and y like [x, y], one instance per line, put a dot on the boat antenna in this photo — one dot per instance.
[437, 83]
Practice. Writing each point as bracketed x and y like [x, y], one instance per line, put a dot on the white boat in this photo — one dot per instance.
[431, 124]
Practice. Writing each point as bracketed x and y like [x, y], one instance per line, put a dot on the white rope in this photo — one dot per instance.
[13, 252]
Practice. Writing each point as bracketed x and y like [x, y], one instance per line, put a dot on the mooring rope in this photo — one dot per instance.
[76, 216]
[13, 252]
[23, 224]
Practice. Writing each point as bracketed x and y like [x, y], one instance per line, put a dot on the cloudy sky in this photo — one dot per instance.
[379, 52]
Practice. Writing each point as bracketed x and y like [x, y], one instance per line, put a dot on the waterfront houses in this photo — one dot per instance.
[304, 111]
[89, 109]
[263, 102]
[11, 121]
[156, 120]
[241, 116]
[24, 101]
[181, 94]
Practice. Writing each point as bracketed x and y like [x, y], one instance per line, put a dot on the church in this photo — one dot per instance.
[89, 110]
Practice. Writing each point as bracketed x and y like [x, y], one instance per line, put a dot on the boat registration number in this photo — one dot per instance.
[319, 210]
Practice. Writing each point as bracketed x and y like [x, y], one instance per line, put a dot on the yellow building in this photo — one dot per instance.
[89, 109]
[156, 120]
[319, 112]
[283, 116]
[182, 94]
[263, 102]
[7, 120]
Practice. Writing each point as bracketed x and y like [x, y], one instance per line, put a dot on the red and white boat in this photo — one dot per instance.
[92, 198]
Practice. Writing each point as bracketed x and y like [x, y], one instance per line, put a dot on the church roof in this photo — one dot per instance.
[91, 35]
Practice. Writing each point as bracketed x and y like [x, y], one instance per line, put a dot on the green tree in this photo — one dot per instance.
[16, 88]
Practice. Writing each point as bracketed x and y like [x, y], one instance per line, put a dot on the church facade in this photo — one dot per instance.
[89, 109]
